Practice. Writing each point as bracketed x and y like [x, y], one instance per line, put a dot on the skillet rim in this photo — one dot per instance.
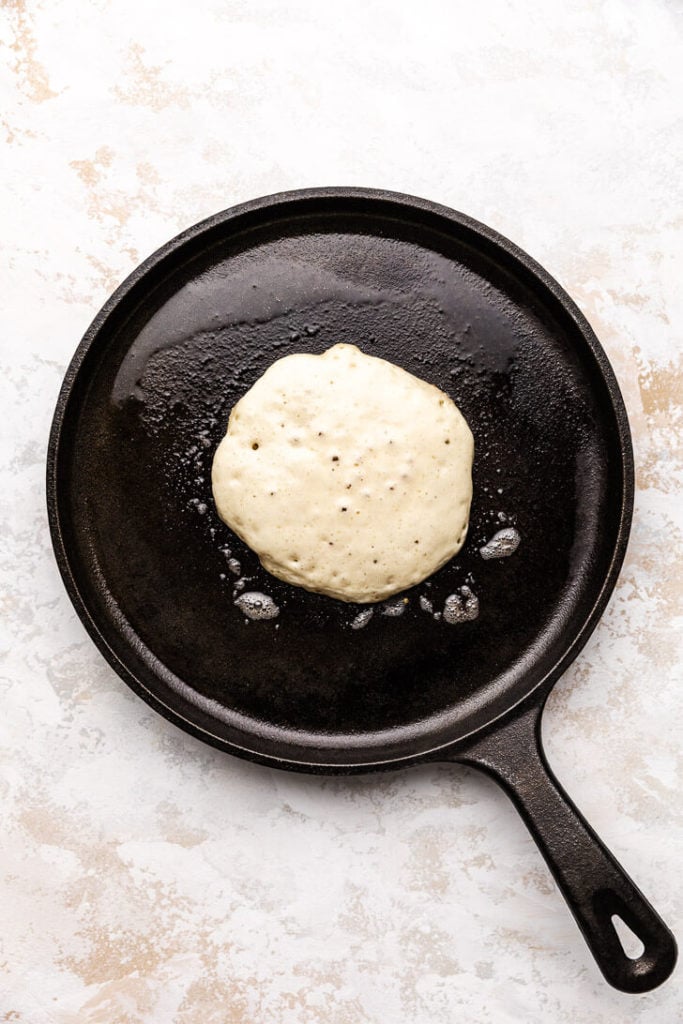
[538, 692]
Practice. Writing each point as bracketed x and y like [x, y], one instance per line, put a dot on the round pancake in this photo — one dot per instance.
[346, 475]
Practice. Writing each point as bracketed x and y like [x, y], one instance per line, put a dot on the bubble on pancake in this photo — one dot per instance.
[257, 606]
[503, 544]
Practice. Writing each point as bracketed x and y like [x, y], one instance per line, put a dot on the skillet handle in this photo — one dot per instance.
[594, 885]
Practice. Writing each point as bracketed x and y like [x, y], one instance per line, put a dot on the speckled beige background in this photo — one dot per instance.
[145, 877]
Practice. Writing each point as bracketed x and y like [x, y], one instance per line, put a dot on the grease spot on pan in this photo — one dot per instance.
[503, 544]
[361, 620]
[462, 607]
[257, 606]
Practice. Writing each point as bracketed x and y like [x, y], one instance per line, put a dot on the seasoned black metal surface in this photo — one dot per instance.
[146, 402]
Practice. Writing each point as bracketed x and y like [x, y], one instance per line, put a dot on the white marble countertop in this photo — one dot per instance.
[225, 893]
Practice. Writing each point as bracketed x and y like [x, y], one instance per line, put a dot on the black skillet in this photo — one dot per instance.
[145, 402]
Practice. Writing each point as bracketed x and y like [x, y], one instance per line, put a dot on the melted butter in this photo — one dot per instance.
[257, 606]
[462, 607]
[502, 544]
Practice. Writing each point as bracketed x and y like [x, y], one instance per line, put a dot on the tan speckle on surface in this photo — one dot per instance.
[90, 171]
[30, 73]
[145, 85]
[146, 878]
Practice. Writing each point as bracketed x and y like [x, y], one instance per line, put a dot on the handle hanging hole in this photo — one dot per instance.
[630, 943]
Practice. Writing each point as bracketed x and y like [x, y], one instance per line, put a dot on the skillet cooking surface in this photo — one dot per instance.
[146, 402]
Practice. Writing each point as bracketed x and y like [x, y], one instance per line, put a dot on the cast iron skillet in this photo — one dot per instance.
[142, 552]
